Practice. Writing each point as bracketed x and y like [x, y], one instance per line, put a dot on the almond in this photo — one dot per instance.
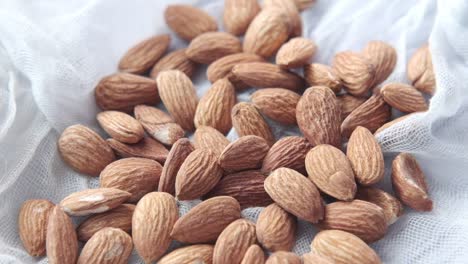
[330, 169]
[276, 229]
[178, 153]
[254, 255]
[313, 258]
[348, 103]
[391, 123]
[295, 194]
[176, 60]
[420, 70]
[244, 153]
[32, 225]
[140, 58]
[366, 157]
[303, 4]
[246, 120]
[188, 22]
[233, 242]
[189, 255]
[122, 91]
[283, 257]
[84, 150]
[409, 183]
[288, 152]
[277, 103]
[296, 53]
[238, 14]
[61, 242]
[391, 206]
[108, 246]
[198, 174]
[290, 9]
[92, 201]
[343, 248]
[152, 222]
[147, 148]
[210, 138]
[322, 75]
[404, 97]
[214, 108]
[121, 126]
[119, 217]
[319, 116]
[383, 56]
[138, 176]
[355, 71]
[211, 46]
[178, 95]
[204, 222]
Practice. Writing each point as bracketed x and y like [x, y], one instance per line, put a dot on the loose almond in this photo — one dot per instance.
[246, 120]
[244, 153]
[277, 103]
[383, 56]
[297, 52]
[188, 22]
[179, 152]
[92, 201]
[254, 255]
[283, 257]
[322, 75]
[238, 14]
[290, 10]
[276, 229]
[356, 72]
[391, 206]
[211, 46]
[189, 255]
[176, 60]
[420, 70]
[313, 258]
[61, 241]
[233, 242]
[288, 152]
[147, 148]
[121, 126]
[348, 103]
[404, 97]
[210, 138]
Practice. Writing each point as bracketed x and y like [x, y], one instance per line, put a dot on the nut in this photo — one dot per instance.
[147, 148]
[233, 242]
[93, 201]
[404, 97]
[210, 46]
[245, 153]
[238, 14]
[188, 22]
[176, 60]
[276, 229]
[296, 53]
[277, 103]
[121, 126]
[246, 120]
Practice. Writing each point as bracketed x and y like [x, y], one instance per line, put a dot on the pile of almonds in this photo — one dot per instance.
[306, 177]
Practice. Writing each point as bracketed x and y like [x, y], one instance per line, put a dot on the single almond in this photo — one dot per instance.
[238, 14]
[189, 255]
[322, 75]
[246, 120]
[296, 53]
[92, 201]
[121, 126]
[209, 138]
[233, 242]
[210, 46]
[348, 103]
[176, 60]
[391, 123]
[276, 229]
[288, 152]
[383, 56]
[245, 153]
[177, 155]
[188, 22]
[404, 97]
[254, 255]
[420, 70]
[283, 257]
[313, 258]
[391, 206]
[84, 150]
[291, 12]
[147, 148]
[61, 241]
[277, 103]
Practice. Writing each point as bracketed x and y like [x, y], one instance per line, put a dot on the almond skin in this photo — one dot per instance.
[177, 155]
[210, 138]
[121, 126]
[420, 70]
[188, 22]
[198, 174]
[147, 148]
[391, 206]
[176, 60]
[246, 120]
[84, 150]
[211, 46]
[409, 183]
[330, 169]
[238, 14]
[288, 152]
[404, 97]
[61, 241]
[319, 116]
[244, 153]
[296, 53]
[92, 201]
[254, 255]
[233, 242]
[348, 103]
[295, 194]
[313, 258]
[276, 229]
[383, 56]
[214, 108]
[283, 257]
[152, 222]
[140, 58]
[290, 10]
[189, 255]
[277, 103]
[32, 225]
[204, 222]
[322, 75]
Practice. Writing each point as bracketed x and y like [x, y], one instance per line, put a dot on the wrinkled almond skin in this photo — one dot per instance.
[189, 255]
[84, 150]
[322, 75]
[209, 138]
[122, 91]
[247, 152]
[277, 103]
[318, 116]
[283, 257]
[288, 152]
[420, 70]
[312, 258]
[214, 108]
[404, 97]
[238, 14]
[352, 250]
[204, 222]
[140, 58]
[290, 10]
[188, 22]
[390, 205]
[121, 126]
[152, 222]
[383, 56]
[198, 174]
[233, 242]
[177, 155]
[366, 157]
[211, 46]
[254, 255]
[108, 246]
[119, 217]
[348, 103]
[295, 194]
[246, 120]
[330, 169]
[276, 229]
[32, 225]
[295, 53]
[147, 148]
[92, 201]
[409, 183]
[61, 241]
[176, 60]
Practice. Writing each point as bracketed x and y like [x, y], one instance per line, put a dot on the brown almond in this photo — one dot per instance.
[355, 71]
[121, 126]
[92, 201]
[313, 258]
[295, 53]
[390, 205]
[188, 22]
[245, 153]
[383, 56]
[277, 103]
[290, 10]
[288, 152]
[254, 255]
[420, 70]
[209, 138]
[276, 229]
[246, 120]
[391, 123]
[238, 14]
[348, 103]
[177, 155]
[211, 46]
[404, 97]
[189, 255]
[233, 242]
[147, 148]
[176, 60]
[322, 75]
[283, 257]
[61, 241]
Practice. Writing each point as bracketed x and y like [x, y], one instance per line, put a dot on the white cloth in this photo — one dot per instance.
[52, 54]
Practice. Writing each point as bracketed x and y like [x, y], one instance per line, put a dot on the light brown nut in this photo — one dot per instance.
[290, 10]
[348, 103]
[61, 241]
[233, 242]
[211, 46]
[296, 53]
[32, 225]
[245, 153]
[147, 148]
[390, 205]
[177, 155]
[277, 103]
[108, 246]
[420, 70]
[121, 126]
[288, 152]
[404, 97]
[383, 56]
[304, 4]
[254, 255]
[267, 75]
[391, 123]
[366, 157]
[313, 258]
[343, 248]
[198, 174]
[138, 176]
[188, 22]
[355, 71]
[119, 217]
[209, 138]
[93, 201]
[318, 116]
[238, 14]
[409, 183]
[178, 95]
[84, 150]
[322, 75]
[122, 91]
[245, 186]
[246, 120]
[214, 108]
[284, 257]
[295, 194]
[176, 60]
[141, 57]
[267, 32]
[276, 228]
[204, 222]
[189, 255]
[152, 222]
